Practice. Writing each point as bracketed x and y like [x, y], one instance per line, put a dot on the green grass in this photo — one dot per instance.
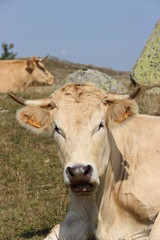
[32, 196]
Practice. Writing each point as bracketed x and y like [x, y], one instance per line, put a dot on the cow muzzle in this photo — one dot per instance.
[50, 81]
[80, 179]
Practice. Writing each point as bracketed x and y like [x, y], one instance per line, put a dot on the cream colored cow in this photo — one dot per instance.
[110, 157]
[17, 75]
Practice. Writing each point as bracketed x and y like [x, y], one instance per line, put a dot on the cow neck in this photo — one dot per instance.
[23, 79]
[110, 183]
[86, 208]
[115, 172]
[117, 163]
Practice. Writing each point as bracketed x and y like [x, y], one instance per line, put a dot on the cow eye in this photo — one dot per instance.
[58, 130]
[101, 125]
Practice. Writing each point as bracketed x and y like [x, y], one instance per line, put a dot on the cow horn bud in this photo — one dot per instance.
[112, 97]
[46, 102]
[41, 59]
[45, 58]
[135, 93]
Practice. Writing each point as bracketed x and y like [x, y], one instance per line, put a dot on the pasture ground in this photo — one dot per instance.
[32, 196]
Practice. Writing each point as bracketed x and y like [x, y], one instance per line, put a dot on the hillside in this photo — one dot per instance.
[60, 69]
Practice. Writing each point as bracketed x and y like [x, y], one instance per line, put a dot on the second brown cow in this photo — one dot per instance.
[18, 75]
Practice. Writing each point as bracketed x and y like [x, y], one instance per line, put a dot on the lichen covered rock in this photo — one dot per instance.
[100, 79]
[146, 71]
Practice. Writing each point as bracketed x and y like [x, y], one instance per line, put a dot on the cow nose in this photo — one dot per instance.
[51, 81]
[79, 172]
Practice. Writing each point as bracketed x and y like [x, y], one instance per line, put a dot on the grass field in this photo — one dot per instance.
[32, 196]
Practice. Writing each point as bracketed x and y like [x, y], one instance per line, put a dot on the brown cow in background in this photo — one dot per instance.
[17, 75]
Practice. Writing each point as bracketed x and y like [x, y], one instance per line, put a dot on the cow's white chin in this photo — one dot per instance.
[83, 188]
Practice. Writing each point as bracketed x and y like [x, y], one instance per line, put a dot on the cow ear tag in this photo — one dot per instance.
[125, 115]
[34, 123]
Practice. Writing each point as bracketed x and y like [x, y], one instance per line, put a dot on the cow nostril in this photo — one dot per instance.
[88, 170]
[70, 172]
[79, 172]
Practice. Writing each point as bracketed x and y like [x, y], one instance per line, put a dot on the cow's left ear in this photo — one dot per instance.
[30, 65]
[36, 119]
[120, 111]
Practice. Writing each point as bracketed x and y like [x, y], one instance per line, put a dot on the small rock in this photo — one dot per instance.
[3, 110]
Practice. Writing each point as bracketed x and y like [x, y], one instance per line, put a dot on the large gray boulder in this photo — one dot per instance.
[146, 71]
[100, 79]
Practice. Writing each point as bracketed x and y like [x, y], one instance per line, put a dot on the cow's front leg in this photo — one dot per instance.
[155, 232]
[73, 228]
[54, 233]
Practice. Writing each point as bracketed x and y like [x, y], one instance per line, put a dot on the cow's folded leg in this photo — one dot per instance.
[73, 228]
[65, 232]
[54, 233]
[155, 232]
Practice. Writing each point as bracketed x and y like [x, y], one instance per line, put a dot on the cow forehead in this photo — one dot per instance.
[79, 115]
[78, 105]
[85, 93]
[41, 65]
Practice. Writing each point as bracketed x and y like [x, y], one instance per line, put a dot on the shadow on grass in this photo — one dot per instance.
[40, 233]
[31, 233]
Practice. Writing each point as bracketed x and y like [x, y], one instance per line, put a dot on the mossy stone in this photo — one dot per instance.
[146, 71]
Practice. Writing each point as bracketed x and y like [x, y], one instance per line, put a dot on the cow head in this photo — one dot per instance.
[38, 72]
[80, 117]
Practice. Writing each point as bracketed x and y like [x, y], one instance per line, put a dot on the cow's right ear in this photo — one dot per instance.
[121, 111]
[36, 119]
[30, 65]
